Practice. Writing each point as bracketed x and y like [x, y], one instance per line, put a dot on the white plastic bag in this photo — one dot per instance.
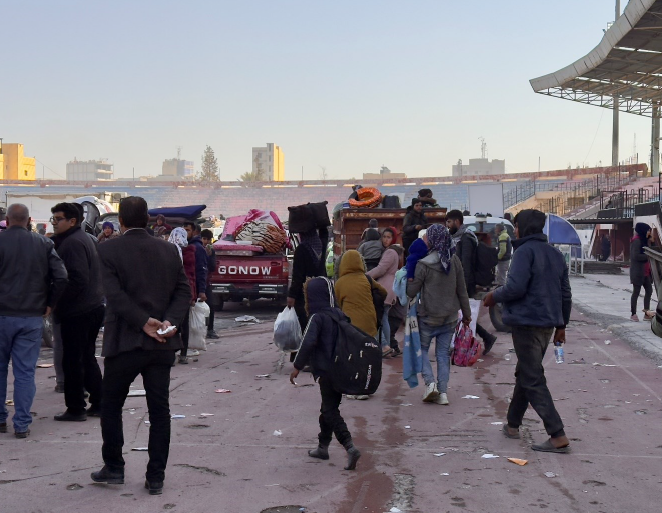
[198, 326]
[287, 331]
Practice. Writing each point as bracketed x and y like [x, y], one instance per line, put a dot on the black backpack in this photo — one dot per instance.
[357, 361]
[377, 301]
[485, 261]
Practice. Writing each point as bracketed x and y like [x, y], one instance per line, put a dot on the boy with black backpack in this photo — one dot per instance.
[466, 248]
[318, 350]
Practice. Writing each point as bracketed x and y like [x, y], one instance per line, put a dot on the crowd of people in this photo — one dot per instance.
[439, 273]
[91, 284]
[86, 284]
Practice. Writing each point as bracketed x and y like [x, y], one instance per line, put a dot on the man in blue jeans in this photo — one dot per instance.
[32, 278]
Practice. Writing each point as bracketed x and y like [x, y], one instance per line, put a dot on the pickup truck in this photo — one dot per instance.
[242, 271]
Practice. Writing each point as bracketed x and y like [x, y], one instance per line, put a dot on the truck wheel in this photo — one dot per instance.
[47, 336]
[497, 320]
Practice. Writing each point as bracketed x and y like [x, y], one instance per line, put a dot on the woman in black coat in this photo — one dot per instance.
[640, 271]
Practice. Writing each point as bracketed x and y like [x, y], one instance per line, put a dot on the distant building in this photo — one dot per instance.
[89, 171]
[177, 167]
[14, 165]
[480, 167]
[268, 163]
[384, 174]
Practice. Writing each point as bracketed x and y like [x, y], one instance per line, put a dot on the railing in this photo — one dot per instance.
[588, 188]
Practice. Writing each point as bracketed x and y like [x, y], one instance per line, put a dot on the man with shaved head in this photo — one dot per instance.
[32, 278]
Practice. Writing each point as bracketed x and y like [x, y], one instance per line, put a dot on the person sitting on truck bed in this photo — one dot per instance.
[425, 195]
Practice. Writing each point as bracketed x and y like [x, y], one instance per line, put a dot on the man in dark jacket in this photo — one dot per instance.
[206, 237]
[201, 261]
[79, 313]
[413, 223]
[317, 350]
[140, 308]
[32, 278]
[536, 300]
[466, 244]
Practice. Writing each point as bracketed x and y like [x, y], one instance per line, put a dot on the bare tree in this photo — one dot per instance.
[324, 174]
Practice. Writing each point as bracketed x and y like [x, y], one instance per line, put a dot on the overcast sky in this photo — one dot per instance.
[348, 85]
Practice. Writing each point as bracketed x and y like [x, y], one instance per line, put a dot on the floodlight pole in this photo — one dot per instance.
[614, 133]
[655, 142]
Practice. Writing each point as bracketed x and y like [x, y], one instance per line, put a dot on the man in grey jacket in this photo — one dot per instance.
[32, 278]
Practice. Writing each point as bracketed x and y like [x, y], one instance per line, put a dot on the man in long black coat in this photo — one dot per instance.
[139, 309]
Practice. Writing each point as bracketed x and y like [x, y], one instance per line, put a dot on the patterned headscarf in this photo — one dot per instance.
[439, 240]
[178, 238]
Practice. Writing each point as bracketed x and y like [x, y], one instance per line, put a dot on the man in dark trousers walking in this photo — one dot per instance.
[536, 302]
[140, 308]
[466, 244]
[32, 278]
[79, 312]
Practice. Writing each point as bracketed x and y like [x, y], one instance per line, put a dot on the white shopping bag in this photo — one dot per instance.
[198, 326]
[287, 331]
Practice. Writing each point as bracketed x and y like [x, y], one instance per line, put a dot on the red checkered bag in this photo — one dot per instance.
[467, 349]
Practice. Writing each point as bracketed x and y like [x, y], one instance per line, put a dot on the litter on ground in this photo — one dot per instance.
[471, 397]
[278, 432]
[206, 414]
[496, 423]
[440, 454]
[45, 365]
[263, 375]
[136, 393]
[550, 474]
[444, 474]
[518, 461]
[489, 456]
[178, 417]
[596, 364]
[247, 318]
[607, 342]
[139, 449]
[223, 391]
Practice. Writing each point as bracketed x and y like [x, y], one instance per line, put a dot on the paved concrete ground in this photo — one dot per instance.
[233, 462]
[606, 298]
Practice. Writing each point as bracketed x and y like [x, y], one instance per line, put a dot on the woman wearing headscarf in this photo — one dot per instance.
[107, 232]
[384, 274]
[640, 271]
[187, 254]
[308, 262]
[439, 278]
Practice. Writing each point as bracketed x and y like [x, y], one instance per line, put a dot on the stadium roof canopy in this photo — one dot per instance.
[627, 64]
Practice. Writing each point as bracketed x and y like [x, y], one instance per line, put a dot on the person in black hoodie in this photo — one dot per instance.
[317, 350]
[413, 223]
[79, 312]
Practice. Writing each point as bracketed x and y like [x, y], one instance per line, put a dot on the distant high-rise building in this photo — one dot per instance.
[177, 167]
[14, 165]
[89, 171]
[268, 163]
